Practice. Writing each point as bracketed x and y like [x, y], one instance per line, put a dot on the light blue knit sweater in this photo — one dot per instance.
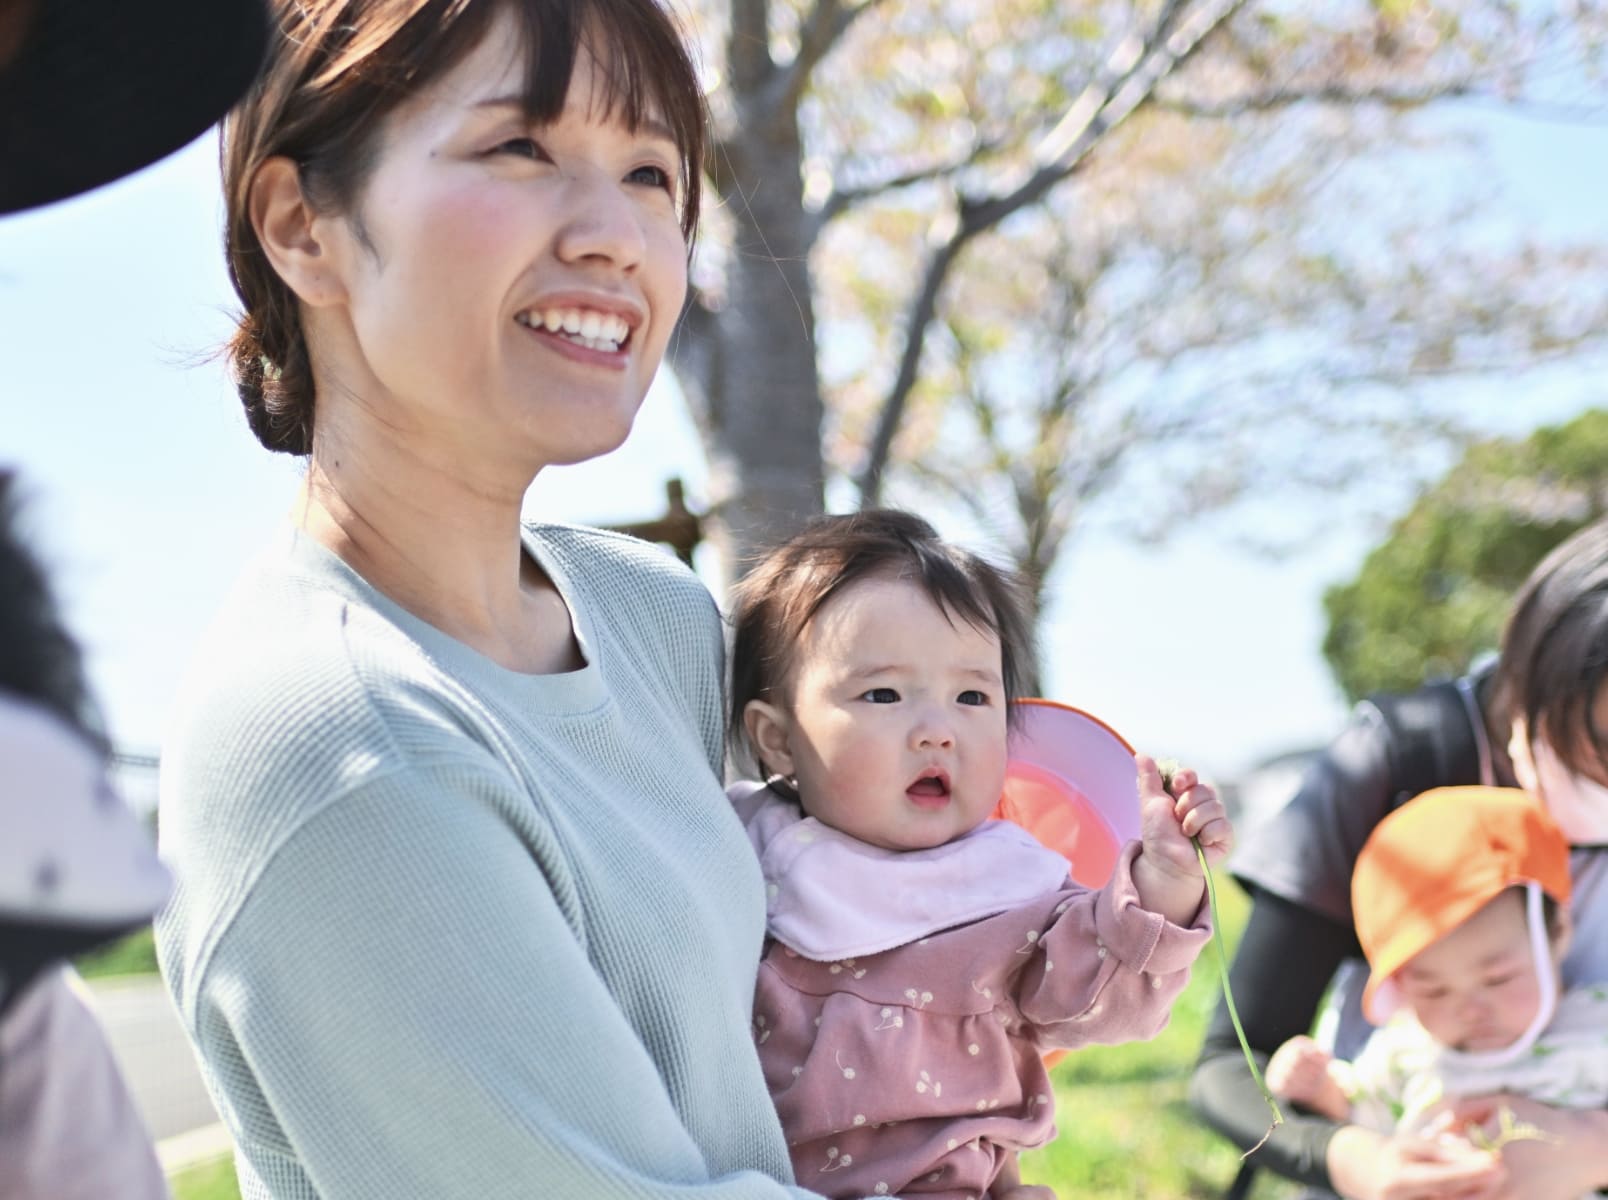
[446, 930]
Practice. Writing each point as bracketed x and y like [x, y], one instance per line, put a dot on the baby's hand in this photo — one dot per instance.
[1167, 872]
[1298, 1070]
[1303, 1071]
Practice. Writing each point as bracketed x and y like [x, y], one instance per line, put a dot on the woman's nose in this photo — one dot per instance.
[601, 223]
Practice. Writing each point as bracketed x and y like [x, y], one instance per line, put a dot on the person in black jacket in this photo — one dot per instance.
[1297, 868]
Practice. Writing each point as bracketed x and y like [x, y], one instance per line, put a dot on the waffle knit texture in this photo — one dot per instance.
[446, 930]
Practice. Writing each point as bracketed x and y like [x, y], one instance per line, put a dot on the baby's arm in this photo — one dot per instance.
[1173, 810]
[1106, 969]
[1304, 1072]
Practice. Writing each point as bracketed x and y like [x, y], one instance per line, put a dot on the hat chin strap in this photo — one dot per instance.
[1546, 979]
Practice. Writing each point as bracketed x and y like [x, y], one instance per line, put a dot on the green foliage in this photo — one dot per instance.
[1434, 594]
[132, 955]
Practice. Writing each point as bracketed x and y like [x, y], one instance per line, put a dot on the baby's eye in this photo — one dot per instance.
[652, 176]
[1496, 981]
[973, 697]
[882, 695]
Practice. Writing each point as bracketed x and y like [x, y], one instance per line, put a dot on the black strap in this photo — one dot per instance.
[1432, 743]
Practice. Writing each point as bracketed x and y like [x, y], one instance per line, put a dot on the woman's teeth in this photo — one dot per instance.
[594, 330]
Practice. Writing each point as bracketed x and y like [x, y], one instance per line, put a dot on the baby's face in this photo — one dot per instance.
[1476, 988]
[896, 718]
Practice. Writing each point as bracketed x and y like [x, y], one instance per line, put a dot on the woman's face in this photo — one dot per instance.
[1571, 781]
[505, 290]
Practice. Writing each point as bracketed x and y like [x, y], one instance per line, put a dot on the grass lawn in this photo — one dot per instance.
[131, 955]
[213, 1180]
[1126, 1132]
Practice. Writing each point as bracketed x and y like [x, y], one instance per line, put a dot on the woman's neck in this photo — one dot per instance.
[441, 541]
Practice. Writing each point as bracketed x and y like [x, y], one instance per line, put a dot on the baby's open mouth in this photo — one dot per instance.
[931, 788]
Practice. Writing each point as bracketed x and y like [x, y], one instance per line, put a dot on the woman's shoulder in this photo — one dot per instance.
[297, 682]
[603, 560]
[639, 588]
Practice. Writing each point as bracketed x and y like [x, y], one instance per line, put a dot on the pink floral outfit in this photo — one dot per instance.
[905, 999]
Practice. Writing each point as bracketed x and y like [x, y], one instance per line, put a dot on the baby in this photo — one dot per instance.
[921, 957]
[1461, 901]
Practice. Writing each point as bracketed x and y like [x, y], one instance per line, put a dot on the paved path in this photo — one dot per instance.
[155, 1056]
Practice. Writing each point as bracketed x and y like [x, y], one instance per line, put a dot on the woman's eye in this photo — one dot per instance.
[973, 697]
[651, 176]
[881, 696]
[522, 147]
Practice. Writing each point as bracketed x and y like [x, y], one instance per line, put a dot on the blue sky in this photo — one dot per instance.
[149, 493]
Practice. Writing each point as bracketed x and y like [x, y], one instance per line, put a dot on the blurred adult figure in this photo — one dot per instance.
[1537, 718]
[76, 870]
[90, 90]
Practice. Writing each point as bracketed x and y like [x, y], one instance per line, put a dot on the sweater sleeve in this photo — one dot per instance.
[404, 1005]
[1107, 970]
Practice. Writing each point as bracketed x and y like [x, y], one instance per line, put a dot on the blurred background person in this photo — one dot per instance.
[90, 90]
[76, 870]
[1537, 719]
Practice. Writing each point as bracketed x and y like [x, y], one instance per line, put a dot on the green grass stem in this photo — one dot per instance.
[1228, 999]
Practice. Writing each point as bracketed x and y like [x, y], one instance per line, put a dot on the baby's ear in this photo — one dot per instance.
[768, 733]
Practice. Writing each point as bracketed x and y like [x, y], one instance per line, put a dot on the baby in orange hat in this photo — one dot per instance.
[1461, 904]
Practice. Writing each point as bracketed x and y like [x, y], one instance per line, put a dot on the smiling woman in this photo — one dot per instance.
[463, 908]
[471, 156]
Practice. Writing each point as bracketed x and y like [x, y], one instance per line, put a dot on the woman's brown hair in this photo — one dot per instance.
[336, 68]
[1554, 660]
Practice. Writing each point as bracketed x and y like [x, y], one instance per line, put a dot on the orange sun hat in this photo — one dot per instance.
[1437, 860]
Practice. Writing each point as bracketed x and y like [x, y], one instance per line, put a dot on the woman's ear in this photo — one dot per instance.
[1523, 761]
[292, 234]
[768, 729]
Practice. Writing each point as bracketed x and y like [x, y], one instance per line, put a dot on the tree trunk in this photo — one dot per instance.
[755, 385]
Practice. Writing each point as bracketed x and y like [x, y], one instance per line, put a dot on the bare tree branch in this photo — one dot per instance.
[843, 199]
[748, 49]
[922, 311]
[1134, 69]
[1390, 96]
[820, 31]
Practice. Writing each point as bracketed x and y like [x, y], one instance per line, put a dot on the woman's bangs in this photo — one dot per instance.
[643, 62]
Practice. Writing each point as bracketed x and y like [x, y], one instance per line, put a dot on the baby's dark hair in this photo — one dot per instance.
[1555, 649]
[791, 583]
[39, 661]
